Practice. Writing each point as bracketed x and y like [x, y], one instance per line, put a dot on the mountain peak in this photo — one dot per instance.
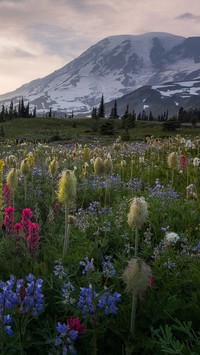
[114, 66]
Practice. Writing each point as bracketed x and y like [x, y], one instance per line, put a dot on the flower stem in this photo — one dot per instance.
[136, 241]
[66, 237]
[133, 311]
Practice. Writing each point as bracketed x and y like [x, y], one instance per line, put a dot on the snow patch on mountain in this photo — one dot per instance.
[114, 67]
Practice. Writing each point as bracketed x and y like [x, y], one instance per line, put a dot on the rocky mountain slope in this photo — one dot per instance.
[114, 67]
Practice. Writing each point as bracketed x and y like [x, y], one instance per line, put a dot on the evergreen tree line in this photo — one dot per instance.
[183, 116]
[20, 110]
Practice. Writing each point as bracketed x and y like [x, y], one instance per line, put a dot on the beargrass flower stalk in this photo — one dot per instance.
[98, 170]
[137, 277]
[84, 172]
[137, 216]
[132, 163]
[12, 181]
[173, 163]
[25, 170]
[11, 160]
[53, 168]
[123, 165]
[67, 196]
[98, 167]
[2, 164]
[108, 167]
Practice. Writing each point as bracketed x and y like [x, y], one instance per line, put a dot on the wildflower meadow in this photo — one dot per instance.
[100, 248]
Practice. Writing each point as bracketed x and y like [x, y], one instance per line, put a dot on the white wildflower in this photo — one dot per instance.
[196, 162]
[172, 237]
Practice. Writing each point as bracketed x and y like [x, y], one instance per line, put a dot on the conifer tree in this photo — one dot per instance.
[114, 110]
[34, 112]
[11, 110]
[101, 109]
[94, 112]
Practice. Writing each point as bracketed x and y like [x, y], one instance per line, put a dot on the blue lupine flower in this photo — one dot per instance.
[163, 193]
[108, 302]
[19, 295]
[59, 269]
[67, 293]
[8, 318]
[8, 329]
[108, 268]
[65, 339]
[88, 265]
[61, 328]
[170, 264]
[86, 299]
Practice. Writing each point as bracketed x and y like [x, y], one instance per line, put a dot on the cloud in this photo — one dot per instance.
[39, 36]
[188, 16]
[7, 52]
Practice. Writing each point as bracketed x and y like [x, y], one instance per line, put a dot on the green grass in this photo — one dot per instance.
[82, 129]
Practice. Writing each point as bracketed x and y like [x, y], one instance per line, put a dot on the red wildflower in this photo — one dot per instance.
[26, 219]
[75, 324]
[33, 237]
[57, 206]
[9, 220]
[17, 228]
[151, 281]
[183, 162]
[7, 195]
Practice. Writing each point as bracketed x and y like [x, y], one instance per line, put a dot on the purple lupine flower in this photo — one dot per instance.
[65, 339]
[86, 299]
[107, 267]
[8, 329]
[67, 293]
[108, 302]
[20, 296]
[59, 269]
[87, 264]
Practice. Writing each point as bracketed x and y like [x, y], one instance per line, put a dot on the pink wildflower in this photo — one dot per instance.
[17, 228]
[75, 324]
[33, 237]
[152, 281]
[7, 195]
[26, 219]
[9, 220]
[183, 162]
[57, 207]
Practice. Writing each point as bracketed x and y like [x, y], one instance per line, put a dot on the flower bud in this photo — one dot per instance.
[25, 167]
[98, 167]
[12, 179]
[137, 277]
[138, 213]
[67, 188]
[53, 167]
[108, 166]
[173, 160]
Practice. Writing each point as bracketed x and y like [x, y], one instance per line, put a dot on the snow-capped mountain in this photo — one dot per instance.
[160, 98]
[114, 67]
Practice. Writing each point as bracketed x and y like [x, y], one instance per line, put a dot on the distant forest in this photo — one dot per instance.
[20, 110]
[183, 116]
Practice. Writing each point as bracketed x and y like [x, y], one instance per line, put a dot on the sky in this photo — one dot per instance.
[38, 37]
